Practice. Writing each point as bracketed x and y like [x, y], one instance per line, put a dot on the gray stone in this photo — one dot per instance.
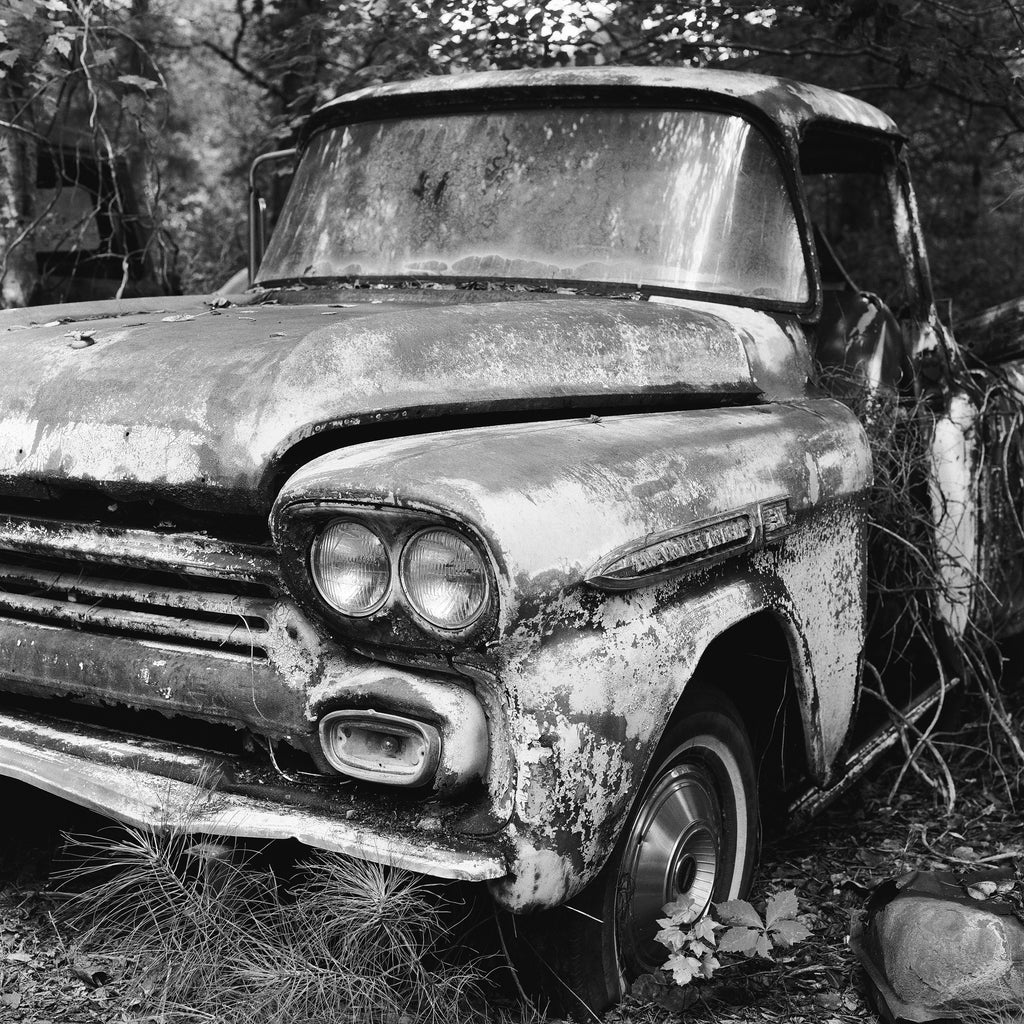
[943, 955]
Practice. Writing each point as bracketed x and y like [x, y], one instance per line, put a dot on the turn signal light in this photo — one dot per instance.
[380, 747]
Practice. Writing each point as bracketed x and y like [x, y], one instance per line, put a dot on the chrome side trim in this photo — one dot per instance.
[118, 777]
[818, 798]
[680, 550]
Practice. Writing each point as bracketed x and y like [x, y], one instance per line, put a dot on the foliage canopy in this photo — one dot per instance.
[186, 93]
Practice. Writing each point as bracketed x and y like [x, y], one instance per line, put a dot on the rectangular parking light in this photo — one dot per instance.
[381, 747]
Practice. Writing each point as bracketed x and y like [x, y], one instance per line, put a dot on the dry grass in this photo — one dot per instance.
[214, 936]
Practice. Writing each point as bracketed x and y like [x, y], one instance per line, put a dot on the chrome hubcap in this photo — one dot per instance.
[673, 848]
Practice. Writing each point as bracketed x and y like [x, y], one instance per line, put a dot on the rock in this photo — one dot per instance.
[945, 955]
[931, 950]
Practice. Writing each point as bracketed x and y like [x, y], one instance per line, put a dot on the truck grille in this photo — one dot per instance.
[184, 588]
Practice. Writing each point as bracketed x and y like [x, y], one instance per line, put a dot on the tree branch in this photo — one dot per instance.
[247, 73]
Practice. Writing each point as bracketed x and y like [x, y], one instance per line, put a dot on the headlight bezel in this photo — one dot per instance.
[395, 622]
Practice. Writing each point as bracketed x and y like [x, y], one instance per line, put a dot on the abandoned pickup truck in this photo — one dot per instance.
[504, 531]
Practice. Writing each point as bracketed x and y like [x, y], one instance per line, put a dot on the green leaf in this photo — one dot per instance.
[738, 912]
[647, 986]
[787, 933]
[145, 84]
[9, 57]
[683, 968]
[708, 966]
[763, 947]
[781, 907]
[671, 938]
[682, 910]
[740, 939]
[705, 929]
[61, 44]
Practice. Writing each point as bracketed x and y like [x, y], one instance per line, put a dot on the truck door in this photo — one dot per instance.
[880, 347]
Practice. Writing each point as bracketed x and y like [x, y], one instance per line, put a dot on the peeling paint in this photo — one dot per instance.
[598, 674]
[954, 492]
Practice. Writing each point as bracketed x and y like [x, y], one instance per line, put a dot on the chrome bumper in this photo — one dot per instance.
[152, 783]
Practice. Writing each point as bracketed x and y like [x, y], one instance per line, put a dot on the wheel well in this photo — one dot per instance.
[751, 664]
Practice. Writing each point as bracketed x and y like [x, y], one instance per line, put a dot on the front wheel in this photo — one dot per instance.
[692, 830]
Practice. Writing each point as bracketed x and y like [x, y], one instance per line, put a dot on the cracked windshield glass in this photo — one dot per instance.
[683, 199]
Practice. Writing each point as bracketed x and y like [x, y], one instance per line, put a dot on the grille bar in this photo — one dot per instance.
[75, 582]
[122, 621]
[191, 553]
[182, 587]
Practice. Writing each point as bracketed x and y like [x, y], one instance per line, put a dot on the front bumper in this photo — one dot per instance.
[152, 783]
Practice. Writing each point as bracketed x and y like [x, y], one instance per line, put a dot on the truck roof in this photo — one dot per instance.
[791, 105]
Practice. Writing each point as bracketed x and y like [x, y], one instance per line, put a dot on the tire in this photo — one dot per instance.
[692, 829]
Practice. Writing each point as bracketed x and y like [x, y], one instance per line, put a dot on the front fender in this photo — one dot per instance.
[594, 700]
[588, 677]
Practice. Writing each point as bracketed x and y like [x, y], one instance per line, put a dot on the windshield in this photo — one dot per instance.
[684, 199]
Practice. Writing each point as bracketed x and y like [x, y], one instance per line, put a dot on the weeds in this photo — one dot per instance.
[215, 937]
[942, 480]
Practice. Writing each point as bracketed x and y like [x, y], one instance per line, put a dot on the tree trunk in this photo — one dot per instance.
[17, 193]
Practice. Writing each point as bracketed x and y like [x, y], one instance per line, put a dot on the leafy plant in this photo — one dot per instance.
[697, 949]
[751, 936]
[690, 939]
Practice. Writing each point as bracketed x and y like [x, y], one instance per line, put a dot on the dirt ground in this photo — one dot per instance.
[833, 865]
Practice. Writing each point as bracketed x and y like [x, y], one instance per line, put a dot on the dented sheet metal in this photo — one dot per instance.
[145, 783]
[201, 412]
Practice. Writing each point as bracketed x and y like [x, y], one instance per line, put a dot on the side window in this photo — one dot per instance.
[857, 341]
[852, 212]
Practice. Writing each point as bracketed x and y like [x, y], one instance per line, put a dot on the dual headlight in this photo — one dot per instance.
[442, 574]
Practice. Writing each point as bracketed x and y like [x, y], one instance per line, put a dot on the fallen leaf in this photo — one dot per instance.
[176, 318]
[93, 975]
[12, 1000]
[648, 986]
[982, 890]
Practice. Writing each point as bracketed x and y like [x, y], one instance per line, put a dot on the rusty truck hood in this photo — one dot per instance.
[170, 398]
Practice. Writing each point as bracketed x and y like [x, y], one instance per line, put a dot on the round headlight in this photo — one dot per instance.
[350, 568]
[444, 578]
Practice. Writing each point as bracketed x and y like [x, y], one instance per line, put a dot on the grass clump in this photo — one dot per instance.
[214, 936]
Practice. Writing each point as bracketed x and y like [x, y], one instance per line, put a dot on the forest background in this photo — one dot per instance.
[172, 99]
